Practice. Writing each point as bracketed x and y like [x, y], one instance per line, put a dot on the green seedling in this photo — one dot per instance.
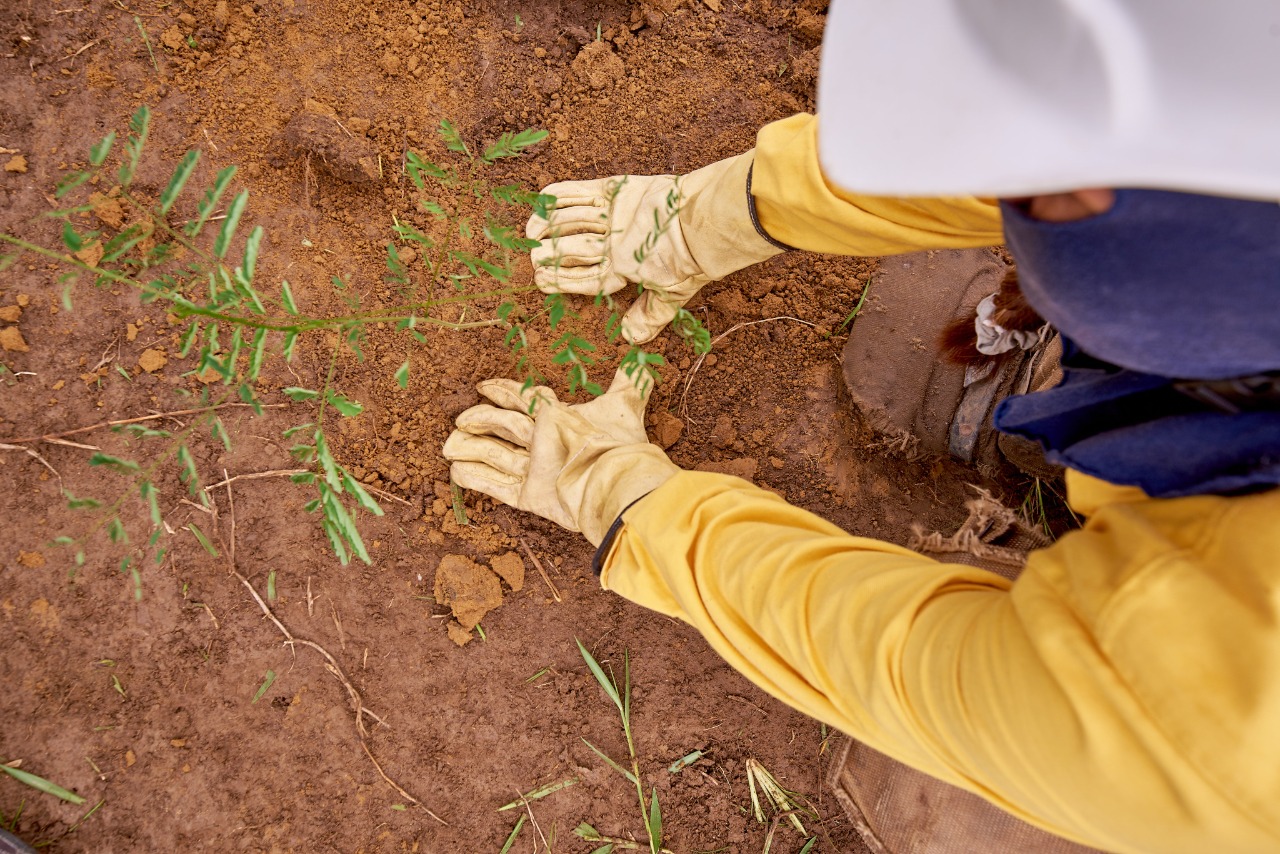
[40, 784]
[271, 586]
[650, 811]
[147, 41]
[851, 316]
[265, 686]
[191, 253]
[685, 761]
[511, 839]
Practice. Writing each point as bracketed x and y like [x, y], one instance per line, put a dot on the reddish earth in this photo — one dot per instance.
[148, 705]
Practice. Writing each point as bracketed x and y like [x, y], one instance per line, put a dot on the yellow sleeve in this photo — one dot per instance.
[1124, 693]
[797, 206]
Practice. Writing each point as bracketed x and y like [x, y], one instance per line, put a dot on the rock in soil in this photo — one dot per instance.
[346, 157]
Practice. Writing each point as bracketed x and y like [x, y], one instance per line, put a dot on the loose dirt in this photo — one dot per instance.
[170, 698]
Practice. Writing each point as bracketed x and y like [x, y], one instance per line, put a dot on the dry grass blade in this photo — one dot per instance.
[540, 792]
[49, 437]
[785, 803]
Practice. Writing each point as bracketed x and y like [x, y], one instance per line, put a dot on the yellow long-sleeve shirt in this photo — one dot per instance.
[1124, 692]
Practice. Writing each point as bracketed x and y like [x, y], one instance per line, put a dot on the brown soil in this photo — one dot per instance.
[149, 705]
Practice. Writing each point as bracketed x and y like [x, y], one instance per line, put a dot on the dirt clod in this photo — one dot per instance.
[31, 560]
[466, 588]
[10, 313]
[318, 136]
[11, 339]
[152, 360]
[598, 65]
[510, 568]
[17, 163]
[667, 429]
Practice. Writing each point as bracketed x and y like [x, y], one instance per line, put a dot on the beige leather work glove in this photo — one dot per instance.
[579, 466]
[670, 234]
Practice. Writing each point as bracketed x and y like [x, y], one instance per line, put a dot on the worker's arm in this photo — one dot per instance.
[672, 235]
[796, 205]
[1104, 697]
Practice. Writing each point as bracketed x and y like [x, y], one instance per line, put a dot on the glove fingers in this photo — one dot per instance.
[573, 250]
[514, 427]
[502, 458]
[509, 394]
[491, 482]
[648, 316]
[580, 219]
[584, 198]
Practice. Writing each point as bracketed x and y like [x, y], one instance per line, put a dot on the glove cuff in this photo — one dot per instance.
[718, 219]
[618, 478]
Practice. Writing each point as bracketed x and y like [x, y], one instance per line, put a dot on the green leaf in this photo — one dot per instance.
[434, 209]
[605, 682]
[219, 432]
[142, 431]
[187, 470]
[290, 338]
[416, 167]
[178, 181]
[140, 124]
[303, 477]
[808, 845]
[504, 236]
[655, 822]
[41, 784]
[402, 374]
[361, 495]
[73, 241]
[349, 408]
[297, 393]
[266, 686]
[210, 201]
[610, 761]
[327, 464]
[123, 466]
[335, 541]
[116, 531]
[151, 495]
[202, 539]
[74, 503]
[289, 434]
[511, 144]
[541, 791]
[336, 515]
[452, 139]
[256, 357]
[116, 247]
[98, 153]
[511, 840]
[189, 338]
[229, 225]
[286, 298]
[250, 261]
[69, 182]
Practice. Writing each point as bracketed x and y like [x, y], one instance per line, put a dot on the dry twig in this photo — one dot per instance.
[41, 460]
[555, 594]
[49, 437]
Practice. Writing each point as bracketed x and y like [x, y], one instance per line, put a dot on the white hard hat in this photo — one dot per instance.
[1019, 97]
